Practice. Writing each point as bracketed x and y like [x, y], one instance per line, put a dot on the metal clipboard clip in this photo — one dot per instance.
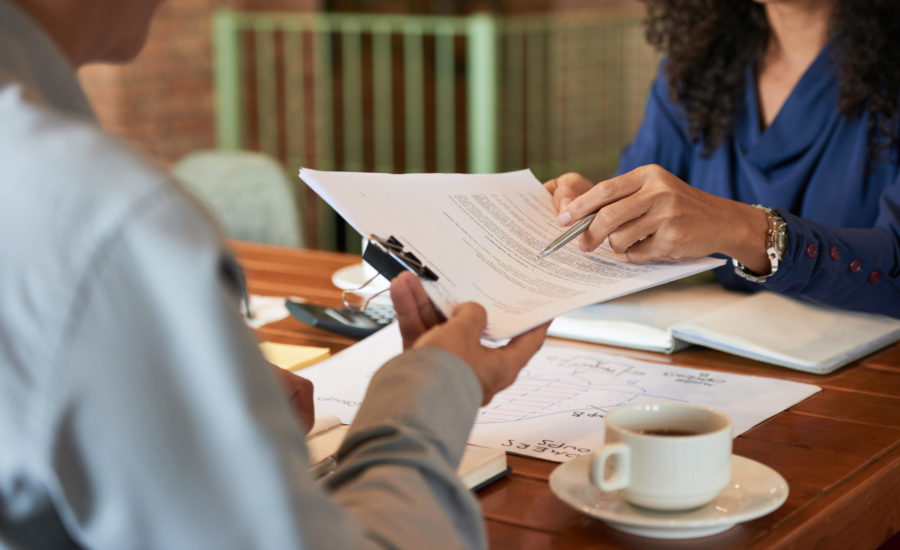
[389, 260]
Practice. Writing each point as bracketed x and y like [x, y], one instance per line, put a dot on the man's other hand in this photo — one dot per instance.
[299, 391]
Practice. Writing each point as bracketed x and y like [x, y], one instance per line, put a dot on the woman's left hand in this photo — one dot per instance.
[650, 214]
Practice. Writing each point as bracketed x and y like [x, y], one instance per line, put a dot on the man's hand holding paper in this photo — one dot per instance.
[421, 325]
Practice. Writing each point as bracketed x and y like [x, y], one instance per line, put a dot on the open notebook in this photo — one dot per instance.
[479, 467]
[765, 326]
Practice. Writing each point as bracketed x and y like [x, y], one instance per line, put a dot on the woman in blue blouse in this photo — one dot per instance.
[770, 136]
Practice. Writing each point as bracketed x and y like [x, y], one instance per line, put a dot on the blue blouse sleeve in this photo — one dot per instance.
[663, 135]
[850, 268]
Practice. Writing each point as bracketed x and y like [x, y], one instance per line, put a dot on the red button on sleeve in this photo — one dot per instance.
[834, 253]
[812, 250]
[874, 277]
[855, 266]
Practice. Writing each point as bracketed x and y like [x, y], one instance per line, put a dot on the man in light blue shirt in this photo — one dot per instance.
[135, 408]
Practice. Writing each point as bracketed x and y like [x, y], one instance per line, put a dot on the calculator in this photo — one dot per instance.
[344, 321]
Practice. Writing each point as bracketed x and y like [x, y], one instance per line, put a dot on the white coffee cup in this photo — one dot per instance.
[664, 456]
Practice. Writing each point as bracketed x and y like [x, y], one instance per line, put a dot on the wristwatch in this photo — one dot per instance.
[776, 242]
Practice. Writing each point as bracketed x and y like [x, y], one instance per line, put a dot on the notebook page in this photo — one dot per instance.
[789, 332]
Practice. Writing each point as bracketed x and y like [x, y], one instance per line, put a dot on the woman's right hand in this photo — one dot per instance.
[567, 188]
[650, 214]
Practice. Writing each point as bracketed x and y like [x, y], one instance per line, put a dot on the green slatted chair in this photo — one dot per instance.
[248, 192]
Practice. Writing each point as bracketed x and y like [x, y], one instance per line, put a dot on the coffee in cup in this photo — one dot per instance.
[664, 456]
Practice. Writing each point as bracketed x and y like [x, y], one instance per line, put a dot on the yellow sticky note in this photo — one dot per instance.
[291, 357]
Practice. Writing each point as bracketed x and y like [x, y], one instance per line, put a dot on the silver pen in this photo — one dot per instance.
[577, 229]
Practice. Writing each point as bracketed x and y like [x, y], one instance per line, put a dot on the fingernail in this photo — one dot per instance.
[565, 218]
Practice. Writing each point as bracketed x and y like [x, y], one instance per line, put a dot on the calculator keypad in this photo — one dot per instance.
[381, 314]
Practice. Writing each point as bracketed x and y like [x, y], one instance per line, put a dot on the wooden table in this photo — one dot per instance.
[839, 450]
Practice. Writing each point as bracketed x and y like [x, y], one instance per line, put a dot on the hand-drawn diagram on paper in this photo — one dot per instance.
[555, 409]
[579, 385]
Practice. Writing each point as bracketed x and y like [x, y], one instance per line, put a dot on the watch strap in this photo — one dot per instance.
[776, 243]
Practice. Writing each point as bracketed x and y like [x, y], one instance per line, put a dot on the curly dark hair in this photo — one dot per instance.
[710, 43]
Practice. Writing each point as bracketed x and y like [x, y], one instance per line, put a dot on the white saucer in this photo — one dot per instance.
[354, 276]
[754, 491]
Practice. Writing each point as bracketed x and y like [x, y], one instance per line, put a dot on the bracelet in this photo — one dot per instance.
[776, 243]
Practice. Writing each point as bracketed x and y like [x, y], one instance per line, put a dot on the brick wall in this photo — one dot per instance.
[163, 102]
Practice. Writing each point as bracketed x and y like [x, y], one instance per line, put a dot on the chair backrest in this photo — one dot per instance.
[248, 192]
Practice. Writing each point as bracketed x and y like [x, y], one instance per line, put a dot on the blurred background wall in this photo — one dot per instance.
[568, 86]
[164, 102]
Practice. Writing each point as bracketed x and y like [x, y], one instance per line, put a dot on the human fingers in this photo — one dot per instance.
[566, 188]
[460, 334]
[299, 392]
[302, 401]
[643, 251]
[623, 222]
[429, 314]
[668, 238]
[412, 295]
[550, 186]
[409, 317]
[521, 348]
[600, 195]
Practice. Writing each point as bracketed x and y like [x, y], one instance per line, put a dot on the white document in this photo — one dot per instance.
[340, 381]
[481, 234]
[555, 408]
